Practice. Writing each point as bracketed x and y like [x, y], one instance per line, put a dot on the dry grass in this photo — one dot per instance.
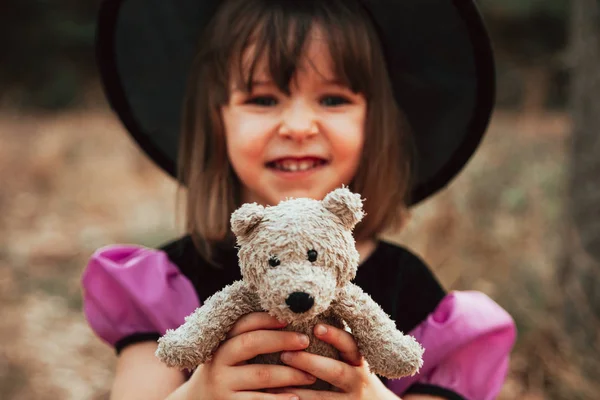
[74, 182]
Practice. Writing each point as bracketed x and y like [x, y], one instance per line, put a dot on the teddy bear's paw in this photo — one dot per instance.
[177, 352]
[396, 358]
[409, 352]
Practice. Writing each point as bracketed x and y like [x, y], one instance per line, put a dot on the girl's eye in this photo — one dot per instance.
[312, 255]
[333, 101]
[263, 101]
[274, 261]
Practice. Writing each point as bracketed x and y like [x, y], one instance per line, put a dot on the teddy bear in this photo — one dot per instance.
[298, 259]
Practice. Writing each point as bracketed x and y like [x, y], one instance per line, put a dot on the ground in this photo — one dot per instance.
[72, 182]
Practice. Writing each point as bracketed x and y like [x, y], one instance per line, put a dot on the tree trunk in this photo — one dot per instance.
[580, 272]
[536, 86]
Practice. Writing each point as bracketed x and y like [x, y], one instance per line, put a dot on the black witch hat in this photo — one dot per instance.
[440, 64]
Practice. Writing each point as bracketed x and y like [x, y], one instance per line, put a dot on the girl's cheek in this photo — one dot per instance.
[347, 134]
[253, 127]
[353, 119]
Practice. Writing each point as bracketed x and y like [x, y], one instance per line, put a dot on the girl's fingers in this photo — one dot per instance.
[307, 394]
[254, 321]
[262, 376]
[341, 340]
[338, 373]
[250, 344]
[263, 396]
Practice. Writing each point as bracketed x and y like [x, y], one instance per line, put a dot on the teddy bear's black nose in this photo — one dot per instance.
[299, 302]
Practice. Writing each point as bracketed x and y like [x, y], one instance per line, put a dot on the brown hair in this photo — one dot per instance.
[279, 29]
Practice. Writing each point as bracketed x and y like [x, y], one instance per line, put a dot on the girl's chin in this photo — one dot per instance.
[272, 192]
[311, 193]
[281, 194]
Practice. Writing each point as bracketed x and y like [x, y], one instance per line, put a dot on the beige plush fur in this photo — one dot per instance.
[289, 234]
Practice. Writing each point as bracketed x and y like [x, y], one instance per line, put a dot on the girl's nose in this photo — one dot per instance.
[299, 133]
[299, 123]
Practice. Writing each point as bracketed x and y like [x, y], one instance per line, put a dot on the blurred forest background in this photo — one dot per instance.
[521, 223]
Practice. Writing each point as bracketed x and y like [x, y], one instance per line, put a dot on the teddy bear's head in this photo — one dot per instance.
[297, 253]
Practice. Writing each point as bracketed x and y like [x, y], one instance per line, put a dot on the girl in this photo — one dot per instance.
[294, 98]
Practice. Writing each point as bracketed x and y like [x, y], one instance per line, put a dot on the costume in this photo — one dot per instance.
[135, 294]
[442, 74]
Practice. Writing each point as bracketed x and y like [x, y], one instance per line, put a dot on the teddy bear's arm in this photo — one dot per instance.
[194, 342]
[388, 352]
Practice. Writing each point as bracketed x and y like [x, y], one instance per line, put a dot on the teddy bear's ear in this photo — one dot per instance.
[245, 218]
[347, 206]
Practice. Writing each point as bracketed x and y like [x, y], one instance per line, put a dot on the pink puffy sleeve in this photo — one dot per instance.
[467, 339]
[132, 293]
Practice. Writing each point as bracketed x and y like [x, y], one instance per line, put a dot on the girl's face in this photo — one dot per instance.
[304, 144]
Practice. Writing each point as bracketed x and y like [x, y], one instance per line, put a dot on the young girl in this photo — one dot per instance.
[294, 98]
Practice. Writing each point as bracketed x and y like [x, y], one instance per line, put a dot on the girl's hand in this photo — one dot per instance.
[351, 376]
[228, 377]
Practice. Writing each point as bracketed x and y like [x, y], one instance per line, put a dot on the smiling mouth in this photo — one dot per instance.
[296, 165]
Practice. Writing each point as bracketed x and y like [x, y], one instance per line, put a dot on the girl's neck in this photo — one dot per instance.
[365, 248]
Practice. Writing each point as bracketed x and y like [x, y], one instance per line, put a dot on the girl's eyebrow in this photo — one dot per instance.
[333, 81]
[241, 87]
[268, 82]
[261, 82]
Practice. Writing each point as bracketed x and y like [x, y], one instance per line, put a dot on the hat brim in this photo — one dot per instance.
[440, 62]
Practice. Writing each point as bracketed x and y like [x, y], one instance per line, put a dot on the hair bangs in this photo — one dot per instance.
[275, 48]
[351, 45]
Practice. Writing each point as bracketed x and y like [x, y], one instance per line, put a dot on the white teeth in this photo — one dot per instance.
[294, 166]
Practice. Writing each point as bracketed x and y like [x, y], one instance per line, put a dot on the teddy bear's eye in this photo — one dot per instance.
[274, 261]
[312, 255]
